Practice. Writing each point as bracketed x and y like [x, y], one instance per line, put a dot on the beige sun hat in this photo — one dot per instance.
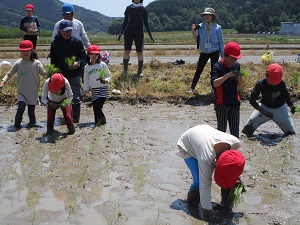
[209, 11]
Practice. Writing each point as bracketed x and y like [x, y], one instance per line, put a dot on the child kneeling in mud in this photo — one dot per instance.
[57, 94]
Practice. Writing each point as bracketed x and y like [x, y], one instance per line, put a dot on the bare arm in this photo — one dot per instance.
[217, 82]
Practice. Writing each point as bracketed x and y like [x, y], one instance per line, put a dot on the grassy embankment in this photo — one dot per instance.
[166, 82]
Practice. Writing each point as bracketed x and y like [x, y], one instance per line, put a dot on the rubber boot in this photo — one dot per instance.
[100, 121]
[76, 112]
[248, 130]
[125, 65]
[18, 121]
[193, 197]
[71, 129]
[140, 68]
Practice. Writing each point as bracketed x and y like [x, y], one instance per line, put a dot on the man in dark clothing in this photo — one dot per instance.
[136, 16]
[67, 53]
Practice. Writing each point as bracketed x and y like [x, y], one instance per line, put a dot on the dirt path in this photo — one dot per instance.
[129, 171]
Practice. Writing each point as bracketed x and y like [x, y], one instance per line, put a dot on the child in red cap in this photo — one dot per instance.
[207, 150]
[30, 25]
[272, 106]
[28, 69]
[97, 77]
[57, 94]
[225, 80]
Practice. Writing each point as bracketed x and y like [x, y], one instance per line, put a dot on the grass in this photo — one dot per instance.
[166, 82]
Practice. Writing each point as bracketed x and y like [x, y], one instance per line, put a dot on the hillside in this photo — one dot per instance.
[49, 12]
[244, 16]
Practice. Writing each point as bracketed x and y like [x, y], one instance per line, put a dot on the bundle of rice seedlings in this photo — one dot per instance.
[233, 198]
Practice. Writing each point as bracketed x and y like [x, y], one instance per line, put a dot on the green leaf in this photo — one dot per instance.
[65, 102]
[70, 61]
[52, 69]
[102, 74]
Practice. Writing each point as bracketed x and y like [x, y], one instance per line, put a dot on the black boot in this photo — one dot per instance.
[193, 197]
[125, 65]
[100, 121]
[18, 121]
[140, 68]
[76, 112]
[248, 130]
[71, 129]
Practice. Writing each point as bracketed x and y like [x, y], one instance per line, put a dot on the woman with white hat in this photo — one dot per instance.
[208, 36]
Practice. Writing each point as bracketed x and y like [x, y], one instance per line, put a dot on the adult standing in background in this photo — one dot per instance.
[30, 25]
[208, 36]
[78, 32]
[136, 17]
[67, 53]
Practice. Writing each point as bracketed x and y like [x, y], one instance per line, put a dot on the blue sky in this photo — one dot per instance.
[111, 8]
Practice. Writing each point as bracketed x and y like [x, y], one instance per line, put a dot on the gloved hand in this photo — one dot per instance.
[119, 37]
[151, 38]
[293, 109]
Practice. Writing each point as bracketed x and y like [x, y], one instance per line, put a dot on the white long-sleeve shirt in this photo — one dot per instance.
[54, 96]
[199, 142]
[91, 74]
[78, 32]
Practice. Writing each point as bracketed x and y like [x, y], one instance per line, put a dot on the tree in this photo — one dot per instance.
[115, 26]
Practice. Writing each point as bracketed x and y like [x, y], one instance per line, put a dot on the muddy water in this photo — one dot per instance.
[129, 171]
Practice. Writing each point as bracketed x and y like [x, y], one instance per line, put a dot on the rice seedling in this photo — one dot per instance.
[73, 205]
[83, 173]
[70, 61]
[234, 196]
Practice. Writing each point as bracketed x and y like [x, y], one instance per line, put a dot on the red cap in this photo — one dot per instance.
[25, 45]
[93, 49]
[274, 72]
[29, 7]
[230, 166]
[233, 49]
[57, 81]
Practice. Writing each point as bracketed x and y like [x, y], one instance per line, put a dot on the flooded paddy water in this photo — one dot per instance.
[129, 170]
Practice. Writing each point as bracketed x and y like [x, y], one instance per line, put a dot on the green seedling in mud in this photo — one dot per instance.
[234, 196]
[157, 216]
[72, 206]
[65, 102]
[52, 69]
[70, 61]
[83, 173]
[34, 212]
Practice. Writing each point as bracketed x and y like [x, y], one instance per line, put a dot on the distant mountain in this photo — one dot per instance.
[49, 12]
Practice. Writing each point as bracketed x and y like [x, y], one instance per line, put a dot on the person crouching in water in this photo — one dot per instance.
[57, 93]
[97, 76]
[272, 106]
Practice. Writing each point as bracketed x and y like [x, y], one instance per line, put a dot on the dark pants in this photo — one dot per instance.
[231, 114]
[203, 58]
[135, 35]
[20, 112]
[51, 116]
[97, 107]
[32, 38]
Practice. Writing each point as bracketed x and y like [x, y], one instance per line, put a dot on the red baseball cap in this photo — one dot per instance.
[233, 49]
[25, 45]
[229, 167]
[56, 82]
[274, 72]
[29, 7]
[93, 49]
